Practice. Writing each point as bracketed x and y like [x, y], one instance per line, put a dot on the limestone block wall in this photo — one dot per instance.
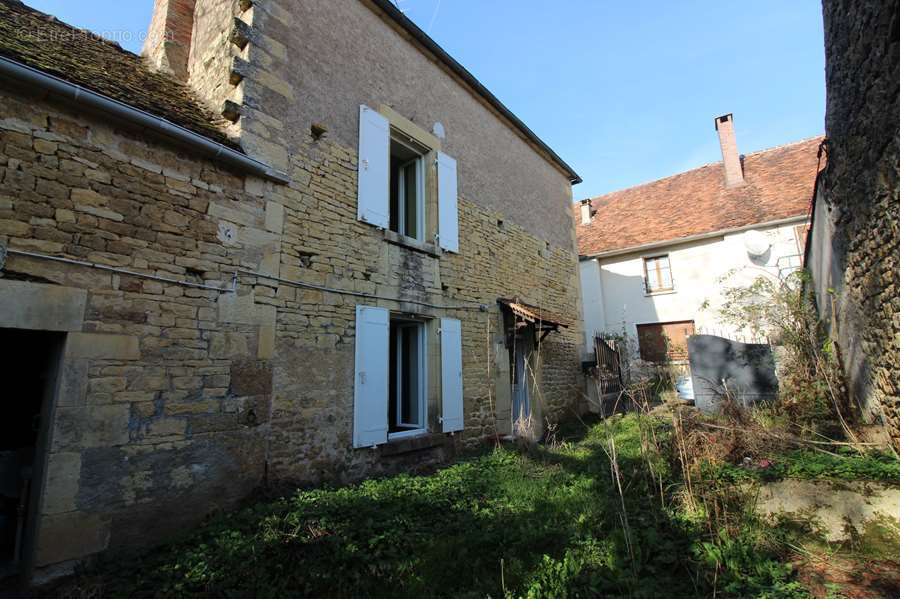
[163, 388]
[324, 244]
[209, 65]
[861, 193]
[172, 396]
[320, 59]
[299, 66]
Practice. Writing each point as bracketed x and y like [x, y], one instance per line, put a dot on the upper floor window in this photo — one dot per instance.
[405, 183]
[407, 195]
[658, 274]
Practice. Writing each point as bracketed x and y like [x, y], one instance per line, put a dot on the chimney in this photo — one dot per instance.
[168, 43]
[586, 212]
[734, 171]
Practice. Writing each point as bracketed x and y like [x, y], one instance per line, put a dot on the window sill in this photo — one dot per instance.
[660, 292]
[413, 244]
[409, 442]
[406, 434]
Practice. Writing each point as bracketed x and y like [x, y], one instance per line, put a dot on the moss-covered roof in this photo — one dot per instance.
[42, 42]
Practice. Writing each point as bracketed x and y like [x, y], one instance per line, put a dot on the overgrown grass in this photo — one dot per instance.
[843, 464]
[538, 522]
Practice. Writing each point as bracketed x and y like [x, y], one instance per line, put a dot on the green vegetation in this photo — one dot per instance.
[845, 464]
[658, 503]
[515, 522]
[812, 397]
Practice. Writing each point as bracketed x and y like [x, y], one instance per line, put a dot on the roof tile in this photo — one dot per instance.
[42, 42]
[778, 183]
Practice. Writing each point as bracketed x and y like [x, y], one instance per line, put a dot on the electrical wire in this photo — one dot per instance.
[233, 288]
[471, 306]
[124, 271]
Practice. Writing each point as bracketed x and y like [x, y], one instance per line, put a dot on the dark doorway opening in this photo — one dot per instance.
[28, 371]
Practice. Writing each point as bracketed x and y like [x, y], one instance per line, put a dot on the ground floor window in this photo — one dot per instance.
[407, 376]
[396, 355]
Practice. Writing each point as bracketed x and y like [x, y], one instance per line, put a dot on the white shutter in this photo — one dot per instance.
[451, 375]
[370, 398]
[448, 219]
[373, 185]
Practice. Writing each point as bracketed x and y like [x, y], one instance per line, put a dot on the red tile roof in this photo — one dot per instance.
[778, 183]
[42, 42]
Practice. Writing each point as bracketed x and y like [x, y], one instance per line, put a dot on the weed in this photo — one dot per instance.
[599, 515]
[807, 464]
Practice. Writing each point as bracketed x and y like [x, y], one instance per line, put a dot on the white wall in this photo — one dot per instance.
[619, 302]
[594, 311]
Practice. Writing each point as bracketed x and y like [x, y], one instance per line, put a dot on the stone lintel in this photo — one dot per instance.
[41, 307]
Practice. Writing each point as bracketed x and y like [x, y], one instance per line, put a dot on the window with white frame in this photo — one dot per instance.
[407, 404]
[393, 187]
[658, 274]
[407, 188]
[391, 389]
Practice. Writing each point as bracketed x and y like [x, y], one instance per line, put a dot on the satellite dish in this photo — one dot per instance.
[756, 243]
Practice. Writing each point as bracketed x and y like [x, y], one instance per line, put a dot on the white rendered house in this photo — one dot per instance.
[653, 257]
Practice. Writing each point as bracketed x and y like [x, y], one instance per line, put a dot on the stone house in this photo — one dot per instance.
[296, 241]
[854, 244]
[655, 258]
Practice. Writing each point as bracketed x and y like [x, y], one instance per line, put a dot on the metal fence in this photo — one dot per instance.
[609, 368]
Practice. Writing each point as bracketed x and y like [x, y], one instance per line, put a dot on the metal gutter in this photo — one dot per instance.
[140, 119]
[697, 237]
[423, 38]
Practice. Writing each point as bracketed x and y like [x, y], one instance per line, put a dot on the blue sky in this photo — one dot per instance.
[625, 92]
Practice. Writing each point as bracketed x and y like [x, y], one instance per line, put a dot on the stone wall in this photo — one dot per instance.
[289, 72]
[161, 405]
[172, 395]
[861, 195]
[168, 41]
[324, 244]
[211, 57]
[323, 58]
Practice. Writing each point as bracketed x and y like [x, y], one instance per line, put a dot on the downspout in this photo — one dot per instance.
[141, 119]
[823, 149]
